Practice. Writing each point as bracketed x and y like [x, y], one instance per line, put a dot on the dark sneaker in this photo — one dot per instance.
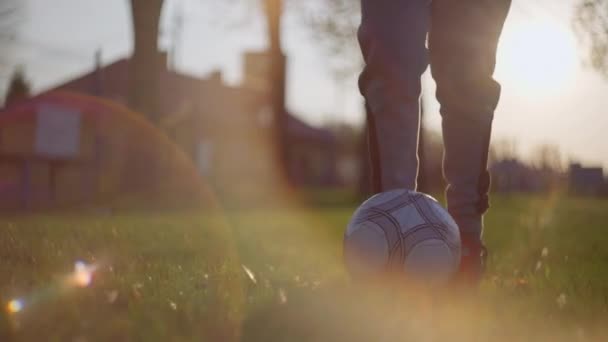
[472, 262]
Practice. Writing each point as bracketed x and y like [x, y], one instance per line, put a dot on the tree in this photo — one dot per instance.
[274, 12]
[548, 162]
[11, 14]
[18, 89]
[145, 62]
[548, 157]
[591, 24]
[503, 149]
[333, 24]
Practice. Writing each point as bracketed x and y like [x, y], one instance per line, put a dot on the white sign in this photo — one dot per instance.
[57, 132]
[204, 157]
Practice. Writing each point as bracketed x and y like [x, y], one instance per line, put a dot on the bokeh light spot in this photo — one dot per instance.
[15, 306]
[83, 274]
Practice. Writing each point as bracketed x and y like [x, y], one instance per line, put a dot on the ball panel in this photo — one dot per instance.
[419, 234]
[393, 236]
[439, 219]
[408, 218]
[390, 228]
[443, 214]
[427, 196]
[366, 249]
[403, 200]
[431, 261]
[378, 200]
[370, 208]
[402, 230]
[426, 210]
[435, 211]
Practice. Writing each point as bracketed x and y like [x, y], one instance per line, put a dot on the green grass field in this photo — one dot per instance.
[276, 274]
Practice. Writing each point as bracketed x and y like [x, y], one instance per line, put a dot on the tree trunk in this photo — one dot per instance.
[145, 63]
[274, 11]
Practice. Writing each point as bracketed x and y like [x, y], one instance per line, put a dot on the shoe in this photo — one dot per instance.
[472, 262]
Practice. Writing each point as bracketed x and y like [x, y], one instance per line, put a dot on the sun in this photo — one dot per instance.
[537, 57]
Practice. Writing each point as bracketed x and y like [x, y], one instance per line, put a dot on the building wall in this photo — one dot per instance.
[118, 153]
[21, 163]
[586, 181]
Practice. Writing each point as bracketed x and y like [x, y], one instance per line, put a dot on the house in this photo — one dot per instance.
[63, 148]
[228, 132]
[511, 175]
[586, 180]
[226, 129]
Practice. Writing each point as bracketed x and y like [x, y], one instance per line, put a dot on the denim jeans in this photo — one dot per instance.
[458, 38]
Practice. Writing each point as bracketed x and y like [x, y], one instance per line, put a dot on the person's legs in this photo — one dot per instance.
[462, 42]
[393, 41]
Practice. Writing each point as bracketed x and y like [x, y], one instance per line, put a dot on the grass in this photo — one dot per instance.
[276, 274]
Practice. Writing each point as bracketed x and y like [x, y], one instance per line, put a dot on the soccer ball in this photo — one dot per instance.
[403, 232]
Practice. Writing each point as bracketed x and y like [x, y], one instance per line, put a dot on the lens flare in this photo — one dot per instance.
[83, 274]
[250, 274]
[15, 306]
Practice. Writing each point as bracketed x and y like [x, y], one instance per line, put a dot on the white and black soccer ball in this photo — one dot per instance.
[403, 231]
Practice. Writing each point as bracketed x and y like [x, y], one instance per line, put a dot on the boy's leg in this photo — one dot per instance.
[393, 42]
[462, 42]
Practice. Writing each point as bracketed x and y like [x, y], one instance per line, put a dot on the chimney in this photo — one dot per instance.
[216, 77]
[98, 74]
[277, 75]
[274, 11]
[163, 64]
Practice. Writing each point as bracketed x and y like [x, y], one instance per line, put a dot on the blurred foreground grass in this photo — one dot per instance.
[276, 274]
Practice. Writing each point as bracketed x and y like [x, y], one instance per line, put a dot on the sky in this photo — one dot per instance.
[548, 97]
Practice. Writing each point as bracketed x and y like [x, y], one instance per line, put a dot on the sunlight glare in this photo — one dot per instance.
[537, 57]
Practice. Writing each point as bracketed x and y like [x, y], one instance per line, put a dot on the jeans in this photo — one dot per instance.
[458, 38]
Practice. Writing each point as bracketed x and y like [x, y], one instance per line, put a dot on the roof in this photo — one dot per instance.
[301, 130]
[111, 81]
[182, 92]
